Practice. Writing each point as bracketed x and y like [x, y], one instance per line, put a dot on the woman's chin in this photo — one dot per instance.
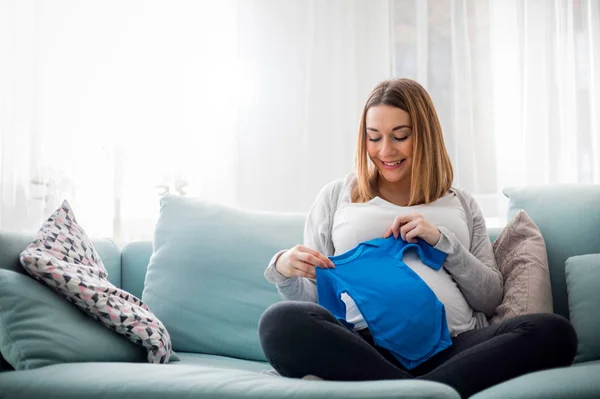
[391, 176]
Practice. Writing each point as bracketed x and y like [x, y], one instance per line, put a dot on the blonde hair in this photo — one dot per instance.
[432, 173]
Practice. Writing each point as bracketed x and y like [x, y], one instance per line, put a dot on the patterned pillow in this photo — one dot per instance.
[62, 257]
[520, 253]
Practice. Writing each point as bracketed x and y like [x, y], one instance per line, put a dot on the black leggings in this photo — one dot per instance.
[301, 338]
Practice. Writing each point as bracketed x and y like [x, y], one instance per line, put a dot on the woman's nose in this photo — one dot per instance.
[387, 149]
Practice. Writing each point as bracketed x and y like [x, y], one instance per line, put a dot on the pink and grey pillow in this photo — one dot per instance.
[62, 257]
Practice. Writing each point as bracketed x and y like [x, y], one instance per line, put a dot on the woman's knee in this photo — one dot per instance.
[563, 331]
[559, 325]
[556, 333]
[282, 318]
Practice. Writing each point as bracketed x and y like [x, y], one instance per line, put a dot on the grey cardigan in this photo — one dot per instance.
[474, 269]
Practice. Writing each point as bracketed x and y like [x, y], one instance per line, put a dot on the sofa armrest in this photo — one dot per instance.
[583, 286]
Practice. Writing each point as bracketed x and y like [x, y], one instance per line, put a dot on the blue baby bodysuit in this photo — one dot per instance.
[403, 314]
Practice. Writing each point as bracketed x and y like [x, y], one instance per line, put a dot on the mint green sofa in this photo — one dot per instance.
[568, 216]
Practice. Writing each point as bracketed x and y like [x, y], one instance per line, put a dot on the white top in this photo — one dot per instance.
[355, 223]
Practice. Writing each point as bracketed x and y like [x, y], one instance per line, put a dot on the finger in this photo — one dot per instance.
[395, 225]
[401, 221]
[301, 268]
[388, 233]
[312, 260]
[305, 270]
[300, 273]
[408, 227]
[412, 235]
[393, 230]
[326, 261]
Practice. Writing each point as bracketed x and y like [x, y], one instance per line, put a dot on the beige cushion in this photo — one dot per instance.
[521, 256]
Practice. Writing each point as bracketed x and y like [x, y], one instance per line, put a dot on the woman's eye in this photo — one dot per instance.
[374, 140]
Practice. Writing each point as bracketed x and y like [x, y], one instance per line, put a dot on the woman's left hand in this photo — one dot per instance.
[414, 225]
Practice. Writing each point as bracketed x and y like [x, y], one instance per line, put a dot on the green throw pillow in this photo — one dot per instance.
[39, 328]
[583, 287]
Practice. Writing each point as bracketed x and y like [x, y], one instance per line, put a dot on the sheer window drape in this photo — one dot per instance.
[113, 104]
[255, 103]
[516, 85]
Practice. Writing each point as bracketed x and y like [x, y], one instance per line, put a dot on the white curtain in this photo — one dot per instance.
[312, 64]
[112, 104]
[516, 84]
[255, 103]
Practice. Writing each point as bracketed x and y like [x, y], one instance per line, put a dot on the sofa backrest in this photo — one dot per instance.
[135, 258]
[12, 244]
[567, 215]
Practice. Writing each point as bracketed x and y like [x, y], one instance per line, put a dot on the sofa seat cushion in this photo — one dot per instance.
[196, 376]
[221, 362]
[579, 381]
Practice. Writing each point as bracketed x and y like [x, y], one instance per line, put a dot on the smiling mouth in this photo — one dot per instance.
[393, 163]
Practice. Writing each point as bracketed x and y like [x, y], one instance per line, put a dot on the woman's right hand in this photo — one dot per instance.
[301, 261]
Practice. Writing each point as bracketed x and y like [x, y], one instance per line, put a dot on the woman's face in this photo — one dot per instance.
[390, 142]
